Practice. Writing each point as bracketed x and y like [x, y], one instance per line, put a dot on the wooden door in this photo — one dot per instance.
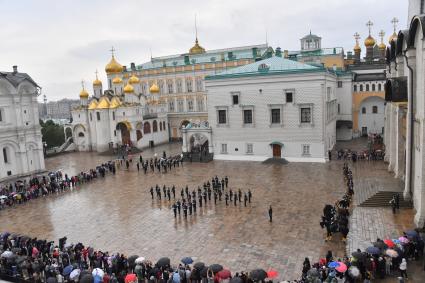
[276, 151]
[174, 133]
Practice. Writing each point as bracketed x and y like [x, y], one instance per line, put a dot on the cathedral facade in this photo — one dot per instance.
[21, 147]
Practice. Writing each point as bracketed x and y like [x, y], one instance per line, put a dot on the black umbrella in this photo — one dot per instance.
[216, 268]
[236, 280]
[258, 274]
[131, 260]
[313, 272]
[52, 280]
[380, 245]
[88, 278]
[84, 273]
[199, 265]
[163, 262]
[358, 255]
[204, 272]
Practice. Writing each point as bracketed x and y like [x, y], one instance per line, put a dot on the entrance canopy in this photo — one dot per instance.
[276, 143]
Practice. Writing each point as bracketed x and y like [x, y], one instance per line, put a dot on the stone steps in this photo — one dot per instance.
[383, 198]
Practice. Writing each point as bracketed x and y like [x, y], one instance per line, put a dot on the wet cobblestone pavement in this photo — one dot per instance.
[118, 214]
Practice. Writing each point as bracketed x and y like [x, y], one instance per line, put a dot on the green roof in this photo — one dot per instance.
[273, 65]
[210, 56]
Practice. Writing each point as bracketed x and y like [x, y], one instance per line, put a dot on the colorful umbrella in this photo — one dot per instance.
[403, 240]
[272, 274]
[354, 271]
[224, 274]
[333, 264]
[342, 267]
[130, 278]
[389, 243]
[98, 272]
[391, 253]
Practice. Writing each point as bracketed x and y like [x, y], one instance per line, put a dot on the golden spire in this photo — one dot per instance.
[369, 41]
[357, 46]
[196, 49]
[97, 82]
[394, 22]
[83, 93]
[382, 44]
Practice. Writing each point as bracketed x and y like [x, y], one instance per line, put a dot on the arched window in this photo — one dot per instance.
[81, 134]
[160, 126]
[163, 126]
[361, 87]
[355, 87]
[367, 87]
[147, 128]
[155, 126]
[379, 87]
[5, 155]
[139, 134]
[1, 115]
[363, 110]
[373, 87]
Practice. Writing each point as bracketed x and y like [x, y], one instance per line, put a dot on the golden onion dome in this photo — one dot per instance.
[128, 88]
[104, 103]
[113, 66]
[196, 49]
[93, 104]
[115, 103]
[357, 47]
[97, 82]
[117, 80]
[134, 80]
[382, 46]
[154, 88]
[393, 37]
[84, 94]
[369, 41]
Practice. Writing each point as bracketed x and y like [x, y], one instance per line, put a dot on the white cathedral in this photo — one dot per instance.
[113, 117]
[21, 147]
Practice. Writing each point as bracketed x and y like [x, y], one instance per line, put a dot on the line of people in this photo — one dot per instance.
[162, 164]
[53, 183]
[335, 217]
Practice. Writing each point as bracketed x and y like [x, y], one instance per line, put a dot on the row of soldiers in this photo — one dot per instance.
[335, 218]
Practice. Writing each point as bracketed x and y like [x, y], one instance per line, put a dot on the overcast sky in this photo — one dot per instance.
[59, 43]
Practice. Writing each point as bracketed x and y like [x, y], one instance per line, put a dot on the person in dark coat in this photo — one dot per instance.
[270, 214]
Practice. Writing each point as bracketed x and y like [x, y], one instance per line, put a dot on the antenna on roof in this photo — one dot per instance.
[267, 42]
[196, 30]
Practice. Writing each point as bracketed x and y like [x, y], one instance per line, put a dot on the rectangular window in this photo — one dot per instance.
[235, 99]
[199, 86]
[171, 106]
[200, 104]
[170, 87]
[339, 84]
[249, 148]
[98, 116]
[363, 110]
[113, 116]
[180, 105]
[306, 149]
[275, 116]
[289, 97]
[328, 93]
[247, 116]
[189, 85]
[179, 86]
[115, 133]
[306, 115]
[222, 119]
[375, 109]
[339, 108]
[223, 147]
[190, 105]
[5, 155]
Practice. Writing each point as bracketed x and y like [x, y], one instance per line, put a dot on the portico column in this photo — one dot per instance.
[133, 137]
[184, 136]
[210, 143]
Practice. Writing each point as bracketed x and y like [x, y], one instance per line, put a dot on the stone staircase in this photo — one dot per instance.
[369, 193]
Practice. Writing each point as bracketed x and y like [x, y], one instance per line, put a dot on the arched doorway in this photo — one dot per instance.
[198, 143]
[68, 133]
[124, 128]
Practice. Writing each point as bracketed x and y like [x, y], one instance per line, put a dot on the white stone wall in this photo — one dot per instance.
[309, 90]
[20, 132]
[373, 121]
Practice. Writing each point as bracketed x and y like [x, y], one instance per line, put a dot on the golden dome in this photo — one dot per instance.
[117, 80]
[382, 46]
[128, 88]
[84, 94]
[154, 88]
[196, 49]
[392, 37]
[113, 66]
[115, 103]
[104, 103]
[357, 48]
[369, 41]
[93, 104]
[97, 82]
[134, 80]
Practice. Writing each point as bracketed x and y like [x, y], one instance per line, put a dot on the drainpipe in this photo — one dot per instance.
[409, 170]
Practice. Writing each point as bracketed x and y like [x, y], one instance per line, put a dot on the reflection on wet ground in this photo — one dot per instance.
[117, 214]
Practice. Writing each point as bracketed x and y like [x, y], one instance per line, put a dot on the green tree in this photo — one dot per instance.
[52, 133]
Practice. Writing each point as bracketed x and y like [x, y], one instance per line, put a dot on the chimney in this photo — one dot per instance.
[15, 69]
